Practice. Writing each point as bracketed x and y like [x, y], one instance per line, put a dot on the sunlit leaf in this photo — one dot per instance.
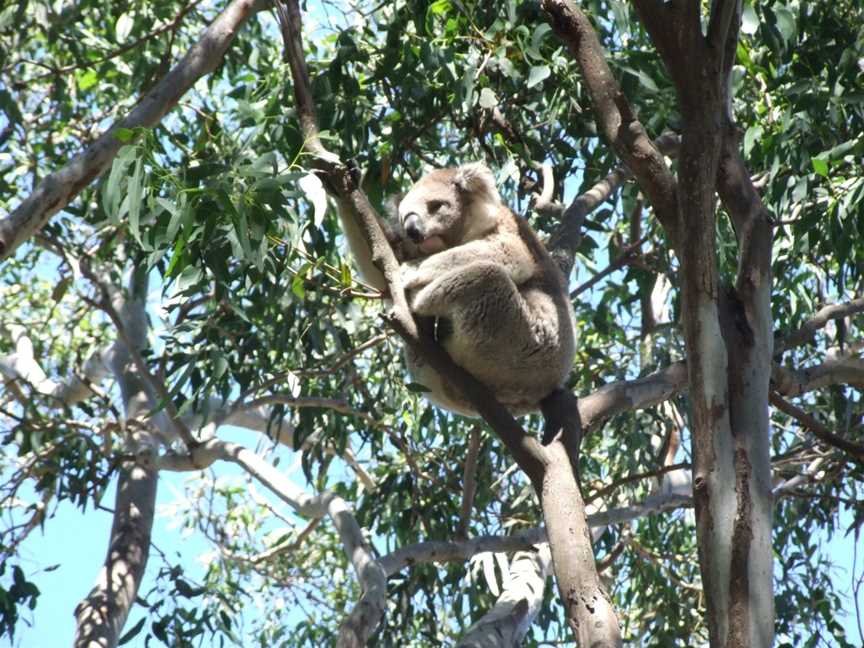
[537, 75]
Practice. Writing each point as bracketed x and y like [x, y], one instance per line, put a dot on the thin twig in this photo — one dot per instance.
[626, 257]
[169, 26]
[821, 431]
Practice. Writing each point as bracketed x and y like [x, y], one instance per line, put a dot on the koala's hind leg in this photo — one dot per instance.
[483, 305]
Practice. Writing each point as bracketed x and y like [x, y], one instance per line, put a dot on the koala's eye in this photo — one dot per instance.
[435, 205]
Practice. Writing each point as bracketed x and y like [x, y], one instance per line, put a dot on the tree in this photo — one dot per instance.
[172, 269]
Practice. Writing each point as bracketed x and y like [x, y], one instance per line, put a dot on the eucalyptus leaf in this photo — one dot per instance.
[537, 75]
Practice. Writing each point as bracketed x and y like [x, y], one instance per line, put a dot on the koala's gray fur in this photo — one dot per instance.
[500, 301]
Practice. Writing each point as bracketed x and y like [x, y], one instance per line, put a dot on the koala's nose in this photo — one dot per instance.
[412, 227]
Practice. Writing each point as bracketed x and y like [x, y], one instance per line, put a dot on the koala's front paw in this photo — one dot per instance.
[410, 275]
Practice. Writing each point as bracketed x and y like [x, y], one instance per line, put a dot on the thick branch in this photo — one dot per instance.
[441, 552]
[22, 365]
[59, 188]
[513, 613]
[589, 611]
[101, 615]
[628, 395]
[841, 370]
[259, 419]
[364, 618]
[613, 112]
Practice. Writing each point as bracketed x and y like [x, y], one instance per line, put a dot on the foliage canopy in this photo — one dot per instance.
[215, 217]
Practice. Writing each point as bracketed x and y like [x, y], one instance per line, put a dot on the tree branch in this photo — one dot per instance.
[101, 615]
[259, 419]
[509, 620]
[59, 188]
[440, 551]
[854, 449]
[613, 113]
[627, 395]
[840, 370]
[22, 365]
[469, 481]
[817, 322]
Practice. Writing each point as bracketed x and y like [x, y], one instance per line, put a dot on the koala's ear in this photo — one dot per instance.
[476, 181]
[391, 206]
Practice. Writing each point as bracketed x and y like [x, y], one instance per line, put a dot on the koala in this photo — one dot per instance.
[479, 276]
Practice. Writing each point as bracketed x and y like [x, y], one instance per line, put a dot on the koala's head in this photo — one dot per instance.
[449, 207]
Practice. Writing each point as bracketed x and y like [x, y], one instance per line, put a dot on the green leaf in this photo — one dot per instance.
[314, 191]
[136, 193]
[60, 289]
[820, 167]
[124, 135]
[440, 7]
[176, 265]
[132, 632]
[10, 106]
[647, 82]
[785, 22]
[468, 82]
[123, 27]
[112, 190]
[8, 15]
[190, 276]
[298, 287]
[537, 75]
[220, 365]
[751, 136]
[86, 79]
[488, 99]
[841, 149]
[749, 19]
[539, 34]
[416, 388]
